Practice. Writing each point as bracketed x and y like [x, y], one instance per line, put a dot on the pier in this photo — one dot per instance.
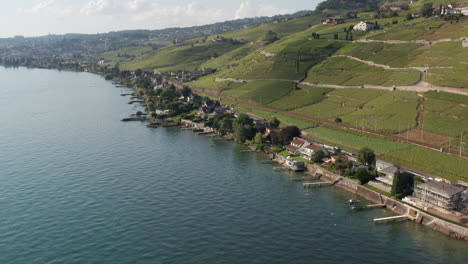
[317, 184]
[364, 207]
[391, 219]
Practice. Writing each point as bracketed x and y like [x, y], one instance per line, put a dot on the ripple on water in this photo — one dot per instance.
[78, 186]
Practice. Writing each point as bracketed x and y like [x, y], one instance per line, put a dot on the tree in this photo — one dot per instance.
[287, 134]
[243, 128]
[338, 120]
[258, 139]
[318, 156]
[366, 156]
[427, 10]
[409, 16]
[274, 122]
[138, 72]
[186, 92]
[403, 184]
[364, 176]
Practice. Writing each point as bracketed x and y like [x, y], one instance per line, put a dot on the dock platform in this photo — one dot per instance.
[391, 219]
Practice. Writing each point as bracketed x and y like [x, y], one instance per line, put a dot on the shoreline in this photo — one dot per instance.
[417, 215]
[413, 214]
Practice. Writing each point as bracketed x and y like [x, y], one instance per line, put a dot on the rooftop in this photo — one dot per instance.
[442, 188]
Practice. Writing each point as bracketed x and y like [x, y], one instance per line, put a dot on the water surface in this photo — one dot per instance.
[79, 186]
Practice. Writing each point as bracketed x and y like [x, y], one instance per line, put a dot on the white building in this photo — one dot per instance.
[364, 26]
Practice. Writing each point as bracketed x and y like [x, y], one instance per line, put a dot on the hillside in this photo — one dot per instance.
[413, 56]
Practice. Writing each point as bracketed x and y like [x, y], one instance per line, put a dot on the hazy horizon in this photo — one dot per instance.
[32, 18]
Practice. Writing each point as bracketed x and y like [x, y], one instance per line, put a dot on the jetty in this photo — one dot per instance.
[365, 207]
[205, 133]
[309, 185]
[136, 101]
[320, 184]
[129, 119]
[391, 219]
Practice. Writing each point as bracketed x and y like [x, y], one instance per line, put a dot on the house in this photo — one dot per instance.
[332, 150]
[352, 15]
[447, 196]
[294, 164]
[386, 176]
[218, 39]
[380, 165]
[333, 21]
[462, 9]
[393, 7]
[297, 145]
[364, 26]
[309, 151]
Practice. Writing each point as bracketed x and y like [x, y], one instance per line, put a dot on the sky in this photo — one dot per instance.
[42, 17]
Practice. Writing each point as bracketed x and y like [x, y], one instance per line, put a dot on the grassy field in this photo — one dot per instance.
[257, 66]
[445, 54]
[441, 164]
[125, 55]
[461, 99]
[340, 102]
[301, 98]
[444, 124]
[427, 30]
[262, 92]
[229, 57]
[281, 29]
[344, 71]
[286, 120]
[208, 82]
[354, 141]
[450, 167]
[387, 112]
[183, 56]
[395, 55]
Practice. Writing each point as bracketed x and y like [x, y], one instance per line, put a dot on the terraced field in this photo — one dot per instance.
[344, 71]
[387, 113]
[184, 56]
[301, 98]
[262, 92]
[394, 55]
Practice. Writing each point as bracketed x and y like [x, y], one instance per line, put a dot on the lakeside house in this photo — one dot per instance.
[450, 197]
[308, 151]
[297, 145]
[364, 26]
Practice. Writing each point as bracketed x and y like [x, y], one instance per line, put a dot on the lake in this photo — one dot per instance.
[79, 186]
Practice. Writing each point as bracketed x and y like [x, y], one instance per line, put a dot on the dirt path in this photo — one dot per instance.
[418, 41]
[421, 87]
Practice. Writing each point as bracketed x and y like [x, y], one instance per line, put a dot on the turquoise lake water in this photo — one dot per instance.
[79, 186]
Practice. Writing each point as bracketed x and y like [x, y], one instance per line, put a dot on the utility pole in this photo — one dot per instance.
[461, 143]
[407, 135]
[422, 134]
[450, 140]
